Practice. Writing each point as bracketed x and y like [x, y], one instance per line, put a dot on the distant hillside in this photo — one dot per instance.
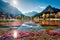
[7, 9]
[30, 14]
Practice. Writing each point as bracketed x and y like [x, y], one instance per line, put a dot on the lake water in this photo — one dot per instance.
[27, 26]
[30, 27]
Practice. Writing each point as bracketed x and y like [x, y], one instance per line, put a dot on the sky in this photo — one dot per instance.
[26, 6]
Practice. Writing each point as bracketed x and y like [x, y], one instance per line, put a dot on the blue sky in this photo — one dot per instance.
[26, 6]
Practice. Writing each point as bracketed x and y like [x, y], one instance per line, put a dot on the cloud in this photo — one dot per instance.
[41, 7]
[36, 9]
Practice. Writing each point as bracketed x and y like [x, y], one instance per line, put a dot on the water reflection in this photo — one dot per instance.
[30, 26]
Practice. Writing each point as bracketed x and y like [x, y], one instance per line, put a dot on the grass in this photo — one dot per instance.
[51, 27]
[6, 20]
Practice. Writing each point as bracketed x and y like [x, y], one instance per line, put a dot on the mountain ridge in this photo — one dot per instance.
[48, 9]
[9, 9]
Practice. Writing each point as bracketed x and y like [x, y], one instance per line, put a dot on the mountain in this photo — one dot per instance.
[48, 9]
[30, 14]
[9, 9]
[51, 9]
